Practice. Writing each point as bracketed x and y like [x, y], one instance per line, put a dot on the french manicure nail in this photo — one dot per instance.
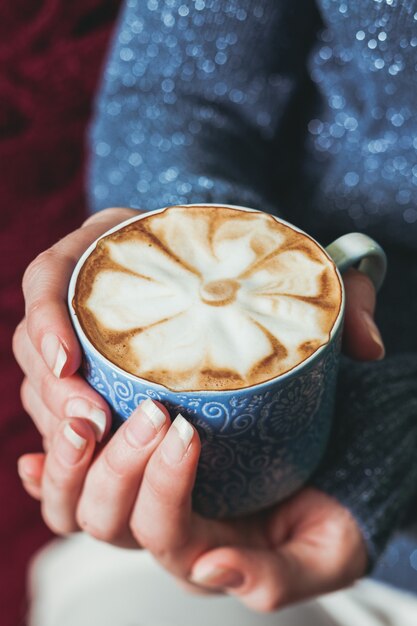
[78, 407]
[219, 577]
[375, 334]
[145, 423]
[155, 415]
[53, 353]
[70, 445]
[177, 440]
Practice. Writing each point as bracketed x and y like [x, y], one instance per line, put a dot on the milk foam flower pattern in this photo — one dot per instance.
[211, 299]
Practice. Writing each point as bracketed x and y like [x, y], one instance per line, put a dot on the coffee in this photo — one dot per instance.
[207, 298]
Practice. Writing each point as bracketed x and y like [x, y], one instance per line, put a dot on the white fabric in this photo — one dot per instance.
[82, 582]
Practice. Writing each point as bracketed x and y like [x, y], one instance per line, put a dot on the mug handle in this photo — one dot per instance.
[359, 249]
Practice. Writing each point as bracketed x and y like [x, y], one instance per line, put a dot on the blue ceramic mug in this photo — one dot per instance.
[259, 443]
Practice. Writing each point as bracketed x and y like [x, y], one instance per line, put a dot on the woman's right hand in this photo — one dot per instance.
[137, 493]
[45, 344]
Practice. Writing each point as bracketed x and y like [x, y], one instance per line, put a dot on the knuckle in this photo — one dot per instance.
[350, 556]
[136, 530]
[109, 214]
[159, 486]
[25, 396]
[49, 521]
[82, 518]
[159, 553]
[48, 386]
[163, 548]
[269, 602]
[91, 529]
[18, 337]
[37, 267]
[144, 534]
[57, 480]
[122, 458]
[58, 525]
[33, 309]
[30, 272]
[100, 216]
[101, 533]
[145, 539]
[114, 464]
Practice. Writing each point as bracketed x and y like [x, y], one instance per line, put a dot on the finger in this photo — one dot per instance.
[67, 404]
[114, 479]
[45, 421]
[64, 473]
[250, 574]
[30, 470]
[68, 397]
[361, 337]
[265, 581]
[45, 285]
[161, 519]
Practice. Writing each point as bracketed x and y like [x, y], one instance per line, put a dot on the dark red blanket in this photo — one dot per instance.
[51, 53]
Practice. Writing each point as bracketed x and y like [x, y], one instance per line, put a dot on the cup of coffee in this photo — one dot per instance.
[232, 317]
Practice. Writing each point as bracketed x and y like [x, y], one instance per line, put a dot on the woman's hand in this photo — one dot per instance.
[44, 343]
[361, 338]
[137, 492]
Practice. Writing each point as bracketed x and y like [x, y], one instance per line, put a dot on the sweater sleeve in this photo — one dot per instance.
[371, 460]
[195, 106]
[194, 96]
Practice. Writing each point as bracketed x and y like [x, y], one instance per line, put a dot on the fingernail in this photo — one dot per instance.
[375, 334]
[177, 440]
[78, 407]
[145, 423]
[26, 476]
[70, 445]
[53, 353]
[219, 577]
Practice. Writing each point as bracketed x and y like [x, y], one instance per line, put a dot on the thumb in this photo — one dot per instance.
[253, 575]
[266, 579]
[263, 579]
[361, 337]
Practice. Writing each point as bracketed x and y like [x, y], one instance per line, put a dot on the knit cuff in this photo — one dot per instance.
[370, 465]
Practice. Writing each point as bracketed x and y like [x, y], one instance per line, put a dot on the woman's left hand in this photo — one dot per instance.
[137, 493]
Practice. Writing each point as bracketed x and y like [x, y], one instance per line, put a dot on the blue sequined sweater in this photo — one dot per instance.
[307, 110]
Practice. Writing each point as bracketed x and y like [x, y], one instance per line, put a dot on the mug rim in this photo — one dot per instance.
[85, 341]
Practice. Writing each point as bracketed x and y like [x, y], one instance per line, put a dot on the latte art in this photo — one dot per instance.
[219, 292]
[207, 297]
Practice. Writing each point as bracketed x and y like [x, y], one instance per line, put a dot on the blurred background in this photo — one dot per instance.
[51, 53]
